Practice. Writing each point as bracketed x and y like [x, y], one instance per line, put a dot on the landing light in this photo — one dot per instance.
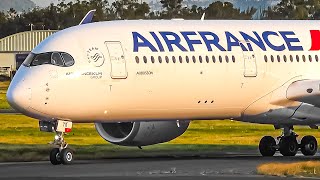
[56, 137]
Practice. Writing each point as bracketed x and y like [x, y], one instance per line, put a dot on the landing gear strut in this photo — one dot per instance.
[288, 144]
[61, 154]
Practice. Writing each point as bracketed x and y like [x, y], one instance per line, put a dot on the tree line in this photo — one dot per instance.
[63, 15]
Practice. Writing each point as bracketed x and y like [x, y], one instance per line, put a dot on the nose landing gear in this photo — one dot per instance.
[288, 144]
[61, 154]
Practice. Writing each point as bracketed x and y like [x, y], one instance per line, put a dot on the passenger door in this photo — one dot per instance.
[250, 65]
[117, 59]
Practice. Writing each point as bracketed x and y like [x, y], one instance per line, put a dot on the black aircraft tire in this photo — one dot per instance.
[66, 156]
[266, 146]
[288, 146]
[55, 156]
[309, 145]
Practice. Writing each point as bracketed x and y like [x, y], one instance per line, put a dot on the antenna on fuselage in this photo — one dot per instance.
[202, 17]
[88, 17]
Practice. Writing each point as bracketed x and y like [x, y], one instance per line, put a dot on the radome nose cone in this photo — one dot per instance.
[18, 97]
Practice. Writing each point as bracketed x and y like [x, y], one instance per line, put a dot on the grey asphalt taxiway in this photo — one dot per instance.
[219, 166]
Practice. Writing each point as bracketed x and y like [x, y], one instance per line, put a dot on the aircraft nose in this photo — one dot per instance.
[19, 96]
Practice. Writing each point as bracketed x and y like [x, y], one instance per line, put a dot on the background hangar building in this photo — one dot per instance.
[15, 48]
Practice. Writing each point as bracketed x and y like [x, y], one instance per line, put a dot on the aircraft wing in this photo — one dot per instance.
[306, 91]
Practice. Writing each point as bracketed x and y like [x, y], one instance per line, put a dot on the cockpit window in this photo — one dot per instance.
[29, 59]
[41, 59]
[68, 60]
[55, 58]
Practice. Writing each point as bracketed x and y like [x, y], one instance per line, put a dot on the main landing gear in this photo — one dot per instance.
[61, 154]
[288, 144]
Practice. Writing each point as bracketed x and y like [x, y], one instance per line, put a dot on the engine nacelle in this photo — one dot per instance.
[141, 133]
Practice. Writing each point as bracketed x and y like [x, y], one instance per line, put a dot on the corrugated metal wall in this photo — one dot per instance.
[24, 41]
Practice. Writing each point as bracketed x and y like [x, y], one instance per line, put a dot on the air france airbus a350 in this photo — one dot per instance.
[142, 81]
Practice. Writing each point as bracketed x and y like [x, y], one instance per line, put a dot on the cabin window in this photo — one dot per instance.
[227, 59]
[167, 59]
[291, 58]
[272, 59]
[284, 58]
[233, 59]
[194, 59]
[173, 59]
[180, 59]
[297, 58]
[207, 59]
[152, 59]
[213, 59]
[187, 59]
[317, 58]
[200, 59]
[145, 60]
[137, 59]
[160, 59]
[220, 59]
[303, 58]
[278, 58]
[265, 58]
[310, 58]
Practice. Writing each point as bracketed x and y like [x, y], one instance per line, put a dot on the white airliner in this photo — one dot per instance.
[142, 81]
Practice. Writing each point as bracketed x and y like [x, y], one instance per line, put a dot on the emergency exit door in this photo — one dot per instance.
[117, 59]
[249, 58]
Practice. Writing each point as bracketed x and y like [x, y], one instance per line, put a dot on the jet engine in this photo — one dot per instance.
[141, 133]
